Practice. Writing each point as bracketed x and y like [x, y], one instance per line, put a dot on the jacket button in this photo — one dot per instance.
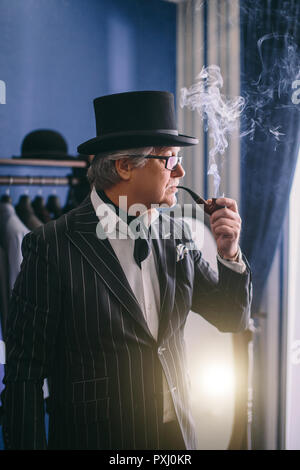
[161, 350]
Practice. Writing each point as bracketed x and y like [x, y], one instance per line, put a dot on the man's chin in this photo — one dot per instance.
[170, 200]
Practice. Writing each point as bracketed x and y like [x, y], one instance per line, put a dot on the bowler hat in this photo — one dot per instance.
[45, 143]
[135, 119]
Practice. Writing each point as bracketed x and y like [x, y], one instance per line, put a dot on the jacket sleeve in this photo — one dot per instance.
[30, 340]
[223, 299]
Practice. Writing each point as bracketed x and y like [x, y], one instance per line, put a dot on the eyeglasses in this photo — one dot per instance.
[171, 162]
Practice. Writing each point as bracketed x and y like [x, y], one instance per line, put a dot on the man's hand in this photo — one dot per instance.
[226, 227]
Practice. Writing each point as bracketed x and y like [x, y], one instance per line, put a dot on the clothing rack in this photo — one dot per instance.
[43, 162]
[39, 181]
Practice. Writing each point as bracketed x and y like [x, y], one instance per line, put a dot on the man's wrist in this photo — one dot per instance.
[235, 258]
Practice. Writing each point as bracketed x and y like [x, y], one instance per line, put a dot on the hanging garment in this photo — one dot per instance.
[26, 213]
[4, 289]
[82, 189]
[12, 232]
[2, 362]
[6, 198]
[40, 209]
[78, 192]
[53, 206]
[71, 202]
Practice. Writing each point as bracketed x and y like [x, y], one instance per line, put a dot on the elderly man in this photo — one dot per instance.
[103, 316]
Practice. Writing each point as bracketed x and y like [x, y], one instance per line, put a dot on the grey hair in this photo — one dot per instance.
[102, 172]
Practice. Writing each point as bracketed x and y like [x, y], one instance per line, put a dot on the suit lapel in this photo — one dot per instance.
[101, 256]
[166, 255]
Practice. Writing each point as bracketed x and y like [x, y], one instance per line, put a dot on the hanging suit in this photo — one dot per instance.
[74, 318]
[4, 289]
[26, 213]
[4, 296]
[12, 232]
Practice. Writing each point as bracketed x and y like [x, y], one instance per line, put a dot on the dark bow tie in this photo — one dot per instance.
[142, 244]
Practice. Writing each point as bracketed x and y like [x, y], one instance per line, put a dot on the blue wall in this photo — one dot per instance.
[56, 56]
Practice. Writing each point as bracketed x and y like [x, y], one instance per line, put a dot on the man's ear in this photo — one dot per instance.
[124, 168]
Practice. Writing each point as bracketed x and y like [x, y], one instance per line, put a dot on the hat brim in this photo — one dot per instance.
[122, 142]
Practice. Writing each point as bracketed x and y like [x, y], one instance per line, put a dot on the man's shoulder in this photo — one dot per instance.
[55, 230]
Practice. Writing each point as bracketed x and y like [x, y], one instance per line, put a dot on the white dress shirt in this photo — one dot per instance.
[144, 282]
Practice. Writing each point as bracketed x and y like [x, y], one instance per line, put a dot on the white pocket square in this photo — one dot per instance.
[182, 250]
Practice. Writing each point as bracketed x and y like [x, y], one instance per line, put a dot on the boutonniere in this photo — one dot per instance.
[182, 250]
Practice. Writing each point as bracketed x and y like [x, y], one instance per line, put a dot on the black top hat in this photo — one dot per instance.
[135, 119]
[45, 143]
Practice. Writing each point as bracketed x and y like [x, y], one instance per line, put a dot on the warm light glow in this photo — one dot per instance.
[216, 380]
[292, 441]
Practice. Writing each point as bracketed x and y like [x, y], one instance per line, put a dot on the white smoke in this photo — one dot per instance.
[220, 113]
[272, 89]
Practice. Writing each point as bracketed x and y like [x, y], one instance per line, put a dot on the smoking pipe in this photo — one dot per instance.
[210, 206]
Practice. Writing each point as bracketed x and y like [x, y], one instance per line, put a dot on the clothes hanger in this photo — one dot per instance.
[6, 197]
[25, 211]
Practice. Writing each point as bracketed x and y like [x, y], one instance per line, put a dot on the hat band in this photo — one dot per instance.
[135, 133]
[44, 152]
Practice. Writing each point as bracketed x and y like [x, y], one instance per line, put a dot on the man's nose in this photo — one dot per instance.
[178, 172]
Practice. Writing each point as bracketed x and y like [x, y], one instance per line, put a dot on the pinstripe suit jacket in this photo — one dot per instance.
[74, 318]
